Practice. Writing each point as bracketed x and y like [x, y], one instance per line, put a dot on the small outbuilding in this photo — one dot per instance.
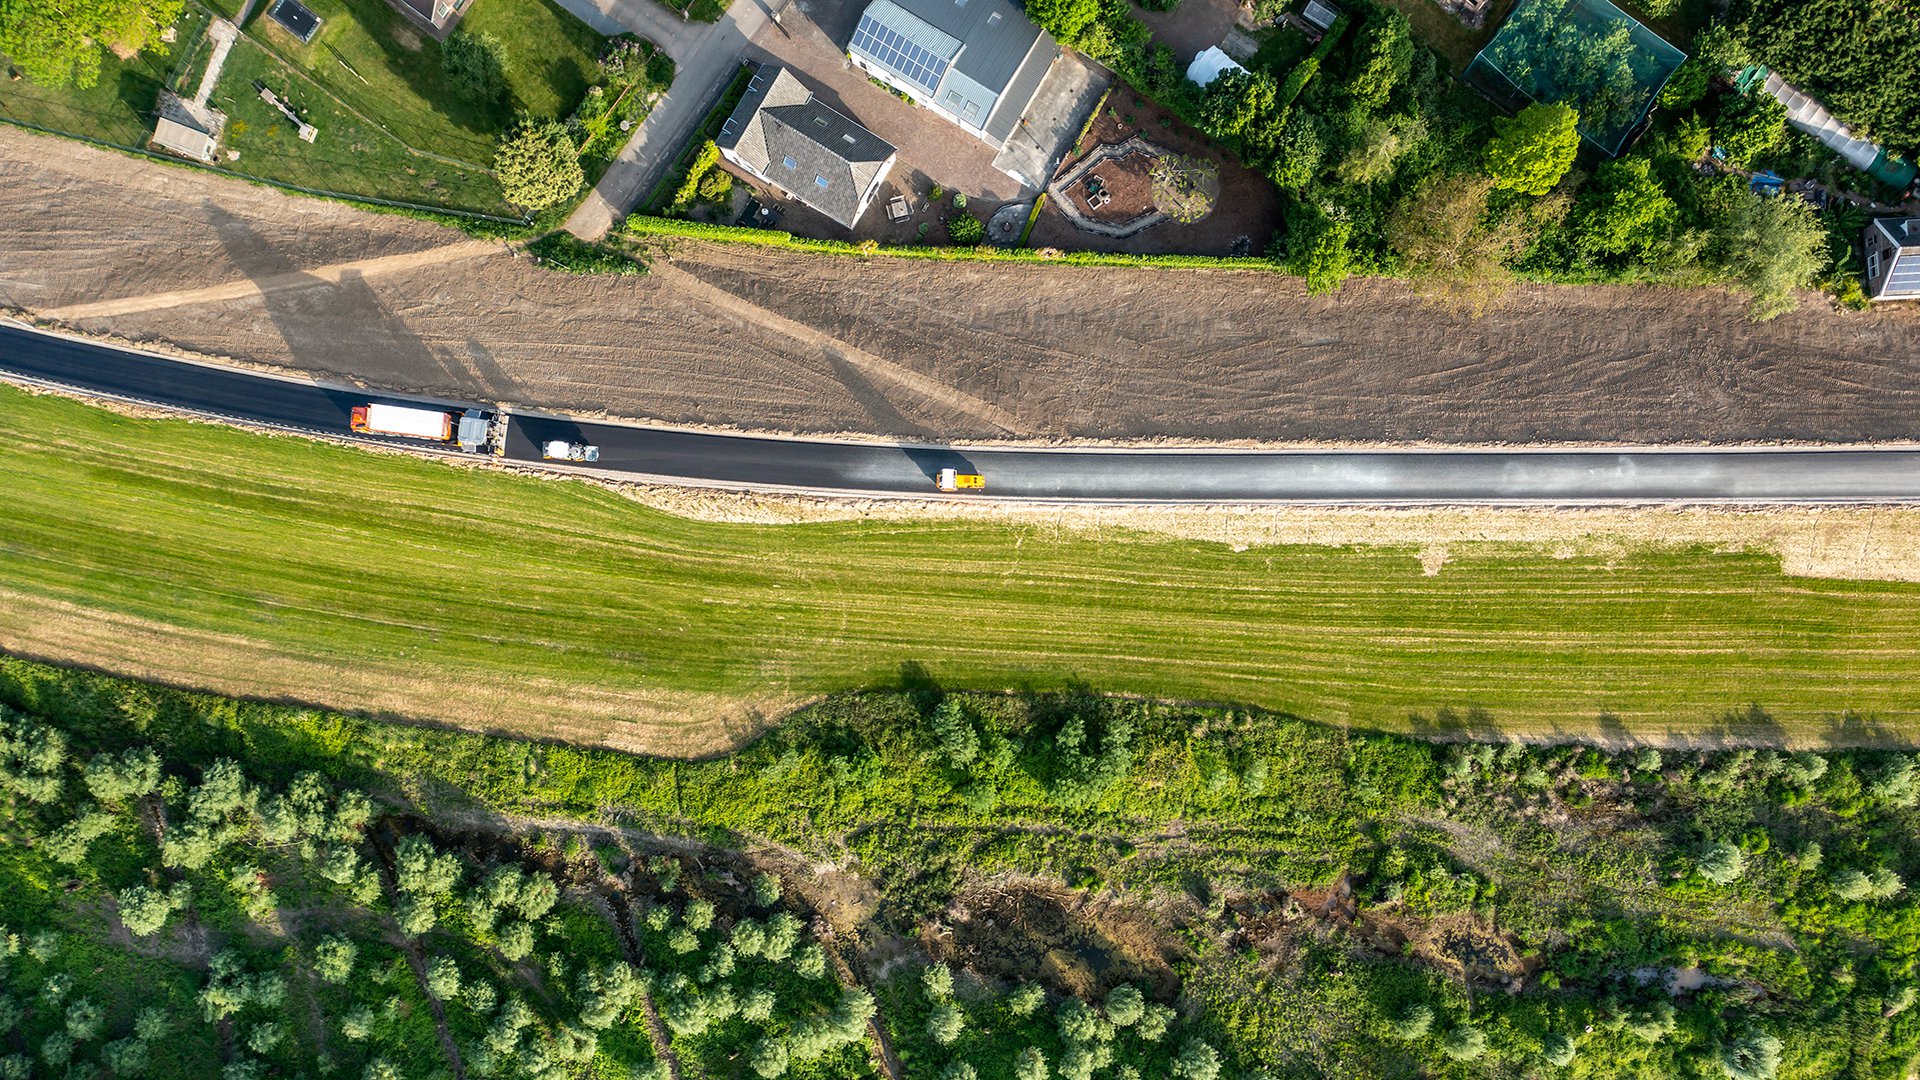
[1893, 259]
[188, 128]
[1209, 66]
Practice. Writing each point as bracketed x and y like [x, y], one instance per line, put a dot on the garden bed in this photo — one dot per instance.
[1244, 217]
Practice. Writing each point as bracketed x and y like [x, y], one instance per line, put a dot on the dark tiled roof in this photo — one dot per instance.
[779, 120]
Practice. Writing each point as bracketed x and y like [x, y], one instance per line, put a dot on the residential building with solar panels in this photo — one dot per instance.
[1893, 259]
[978, 63]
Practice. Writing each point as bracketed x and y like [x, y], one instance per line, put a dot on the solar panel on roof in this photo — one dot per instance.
[910, 61]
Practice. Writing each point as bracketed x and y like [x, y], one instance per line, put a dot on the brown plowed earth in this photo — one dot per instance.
[904, 348]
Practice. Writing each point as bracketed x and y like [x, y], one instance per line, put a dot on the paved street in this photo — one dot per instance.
[706, 55]
[1612, 476]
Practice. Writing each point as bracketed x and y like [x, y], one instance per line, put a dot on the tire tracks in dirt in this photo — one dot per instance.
[865, 362]
[331, 274]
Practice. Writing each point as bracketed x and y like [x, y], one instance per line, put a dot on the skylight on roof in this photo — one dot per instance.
[821, 181]
[789, 163]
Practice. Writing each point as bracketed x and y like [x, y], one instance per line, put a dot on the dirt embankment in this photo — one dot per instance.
[752, 338]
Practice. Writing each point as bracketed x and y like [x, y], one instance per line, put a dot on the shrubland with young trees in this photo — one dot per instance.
[1216, 894]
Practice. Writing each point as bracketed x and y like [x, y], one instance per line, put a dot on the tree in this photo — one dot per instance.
[1196, 1061]
[473, 64]
[333, 958]
[538, 166]
[1184, 188]
[1625, 212]
[1413, 1022]
[1124, 1005]
[443, 977]
[1750, 127]
[1236, 104]
[945, 1023]
[1447, 246]
[937, 981]
[1066, 20]
[134, 773]
[1378, 144]
[144, 911]
[1382, 58]
[1464, 1043]
[1531, 152]
[1317, 247]
[58, 44]
[1557, 1049]
[84, 1019]
[1026, 1000]
[33, 758]
[1753, 1056]
[1154, 1021]
[1721, 863]
[953, 731]
[1030, 1064]
[1297, 152]
[766, 889]
[1770, 248]
[769, 1057]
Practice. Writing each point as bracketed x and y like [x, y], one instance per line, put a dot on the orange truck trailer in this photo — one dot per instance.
[470, 428]
[955, 480]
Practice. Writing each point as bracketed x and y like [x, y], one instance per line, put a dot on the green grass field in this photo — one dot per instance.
[284, 568]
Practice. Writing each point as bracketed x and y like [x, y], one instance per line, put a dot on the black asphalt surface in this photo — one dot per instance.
[1558, 476]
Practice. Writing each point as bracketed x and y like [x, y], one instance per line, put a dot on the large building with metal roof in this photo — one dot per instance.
[785, 136]
[978, 63]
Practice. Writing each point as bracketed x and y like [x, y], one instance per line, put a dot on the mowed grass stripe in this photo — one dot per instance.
[443, 581]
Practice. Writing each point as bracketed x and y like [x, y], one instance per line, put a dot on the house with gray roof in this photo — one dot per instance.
[1893, 259]
[978, 63]
[783, 135]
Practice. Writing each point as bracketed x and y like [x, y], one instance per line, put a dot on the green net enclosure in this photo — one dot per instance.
[1585, 53]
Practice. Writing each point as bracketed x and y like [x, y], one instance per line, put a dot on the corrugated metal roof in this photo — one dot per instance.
[1019, 94]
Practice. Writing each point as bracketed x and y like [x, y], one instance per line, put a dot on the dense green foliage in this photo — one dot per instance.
[1511, 907]
[538, 165]
[1531, 152]
[60, 44]
[562, 250]
[1860, 58]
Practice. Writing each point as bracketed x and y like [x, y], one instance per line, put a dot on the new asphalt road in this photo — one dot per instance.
[739, 461]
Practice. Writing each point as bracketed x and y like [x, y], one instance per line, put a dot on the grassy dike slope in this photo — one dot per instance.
[288, 569]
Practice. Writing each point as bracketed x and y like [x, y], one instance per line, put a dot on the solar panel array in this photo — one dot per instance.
[1906, 275]
[912, 62]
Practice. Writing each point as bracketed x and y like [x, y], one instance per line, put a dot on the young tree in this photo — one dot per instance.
[1770, 248]
[1030, 1064]
[1184, 188]
[1531, 152]
[473, 64]
[1413, 1022]
[1557, 1050]
[1317, 247]
[443, 978]
[333, 958]
[538, 165]
[1464, 1043]
[1755, 1055]
[115, 780]
[84, 1019]
[954, 733]
[766, 889]
[945, 1023]
[144, 911]
[1026, 1000]
[1721, 863]
[1196, 1061]
[1125, 1005]
[936, 980]
[769, 1057]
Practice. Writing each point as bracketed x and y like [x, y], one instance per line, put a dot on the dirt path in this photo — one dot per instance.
[760, 338]
[333, 274]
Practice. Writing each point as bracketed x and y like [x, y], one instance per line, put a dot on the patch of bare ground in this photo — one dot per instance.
[1022, 929]
[964, 351]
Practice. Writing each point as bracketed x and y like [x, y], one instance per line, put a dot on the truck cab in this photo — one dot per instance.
[562, 450]
[955, 480]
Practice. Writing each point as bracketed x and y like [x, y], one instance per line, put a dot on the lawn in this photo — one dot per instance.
[376, 61]
[119, 108]
[348, 155]
[283, 568]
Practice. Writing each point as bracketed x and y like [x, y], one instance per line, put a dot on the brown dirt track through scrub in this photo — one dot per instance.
[1062, 353]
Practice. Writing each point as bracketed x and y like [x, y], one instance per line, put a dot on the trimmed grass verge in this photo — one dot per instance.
[284, 568]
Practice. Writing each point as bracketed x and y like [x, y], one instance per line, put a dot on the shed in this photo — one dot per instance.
[1209, 65]
[188, 129]
[1320, 15]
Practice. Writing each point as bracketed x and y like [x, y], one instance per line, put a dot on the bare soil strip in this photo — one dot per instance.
[298, 279]
[770, 340]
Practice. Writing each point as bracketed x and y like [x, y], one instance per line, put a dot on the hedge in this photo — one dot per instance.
[643, 226]
[1305, 70]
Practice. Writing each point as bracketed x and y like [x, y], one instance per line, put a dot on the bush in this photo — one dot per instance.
[1557, 1050]
[966, 230]
[937, 981]
[1413, 1023]
[565, 252]
[538, 165]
